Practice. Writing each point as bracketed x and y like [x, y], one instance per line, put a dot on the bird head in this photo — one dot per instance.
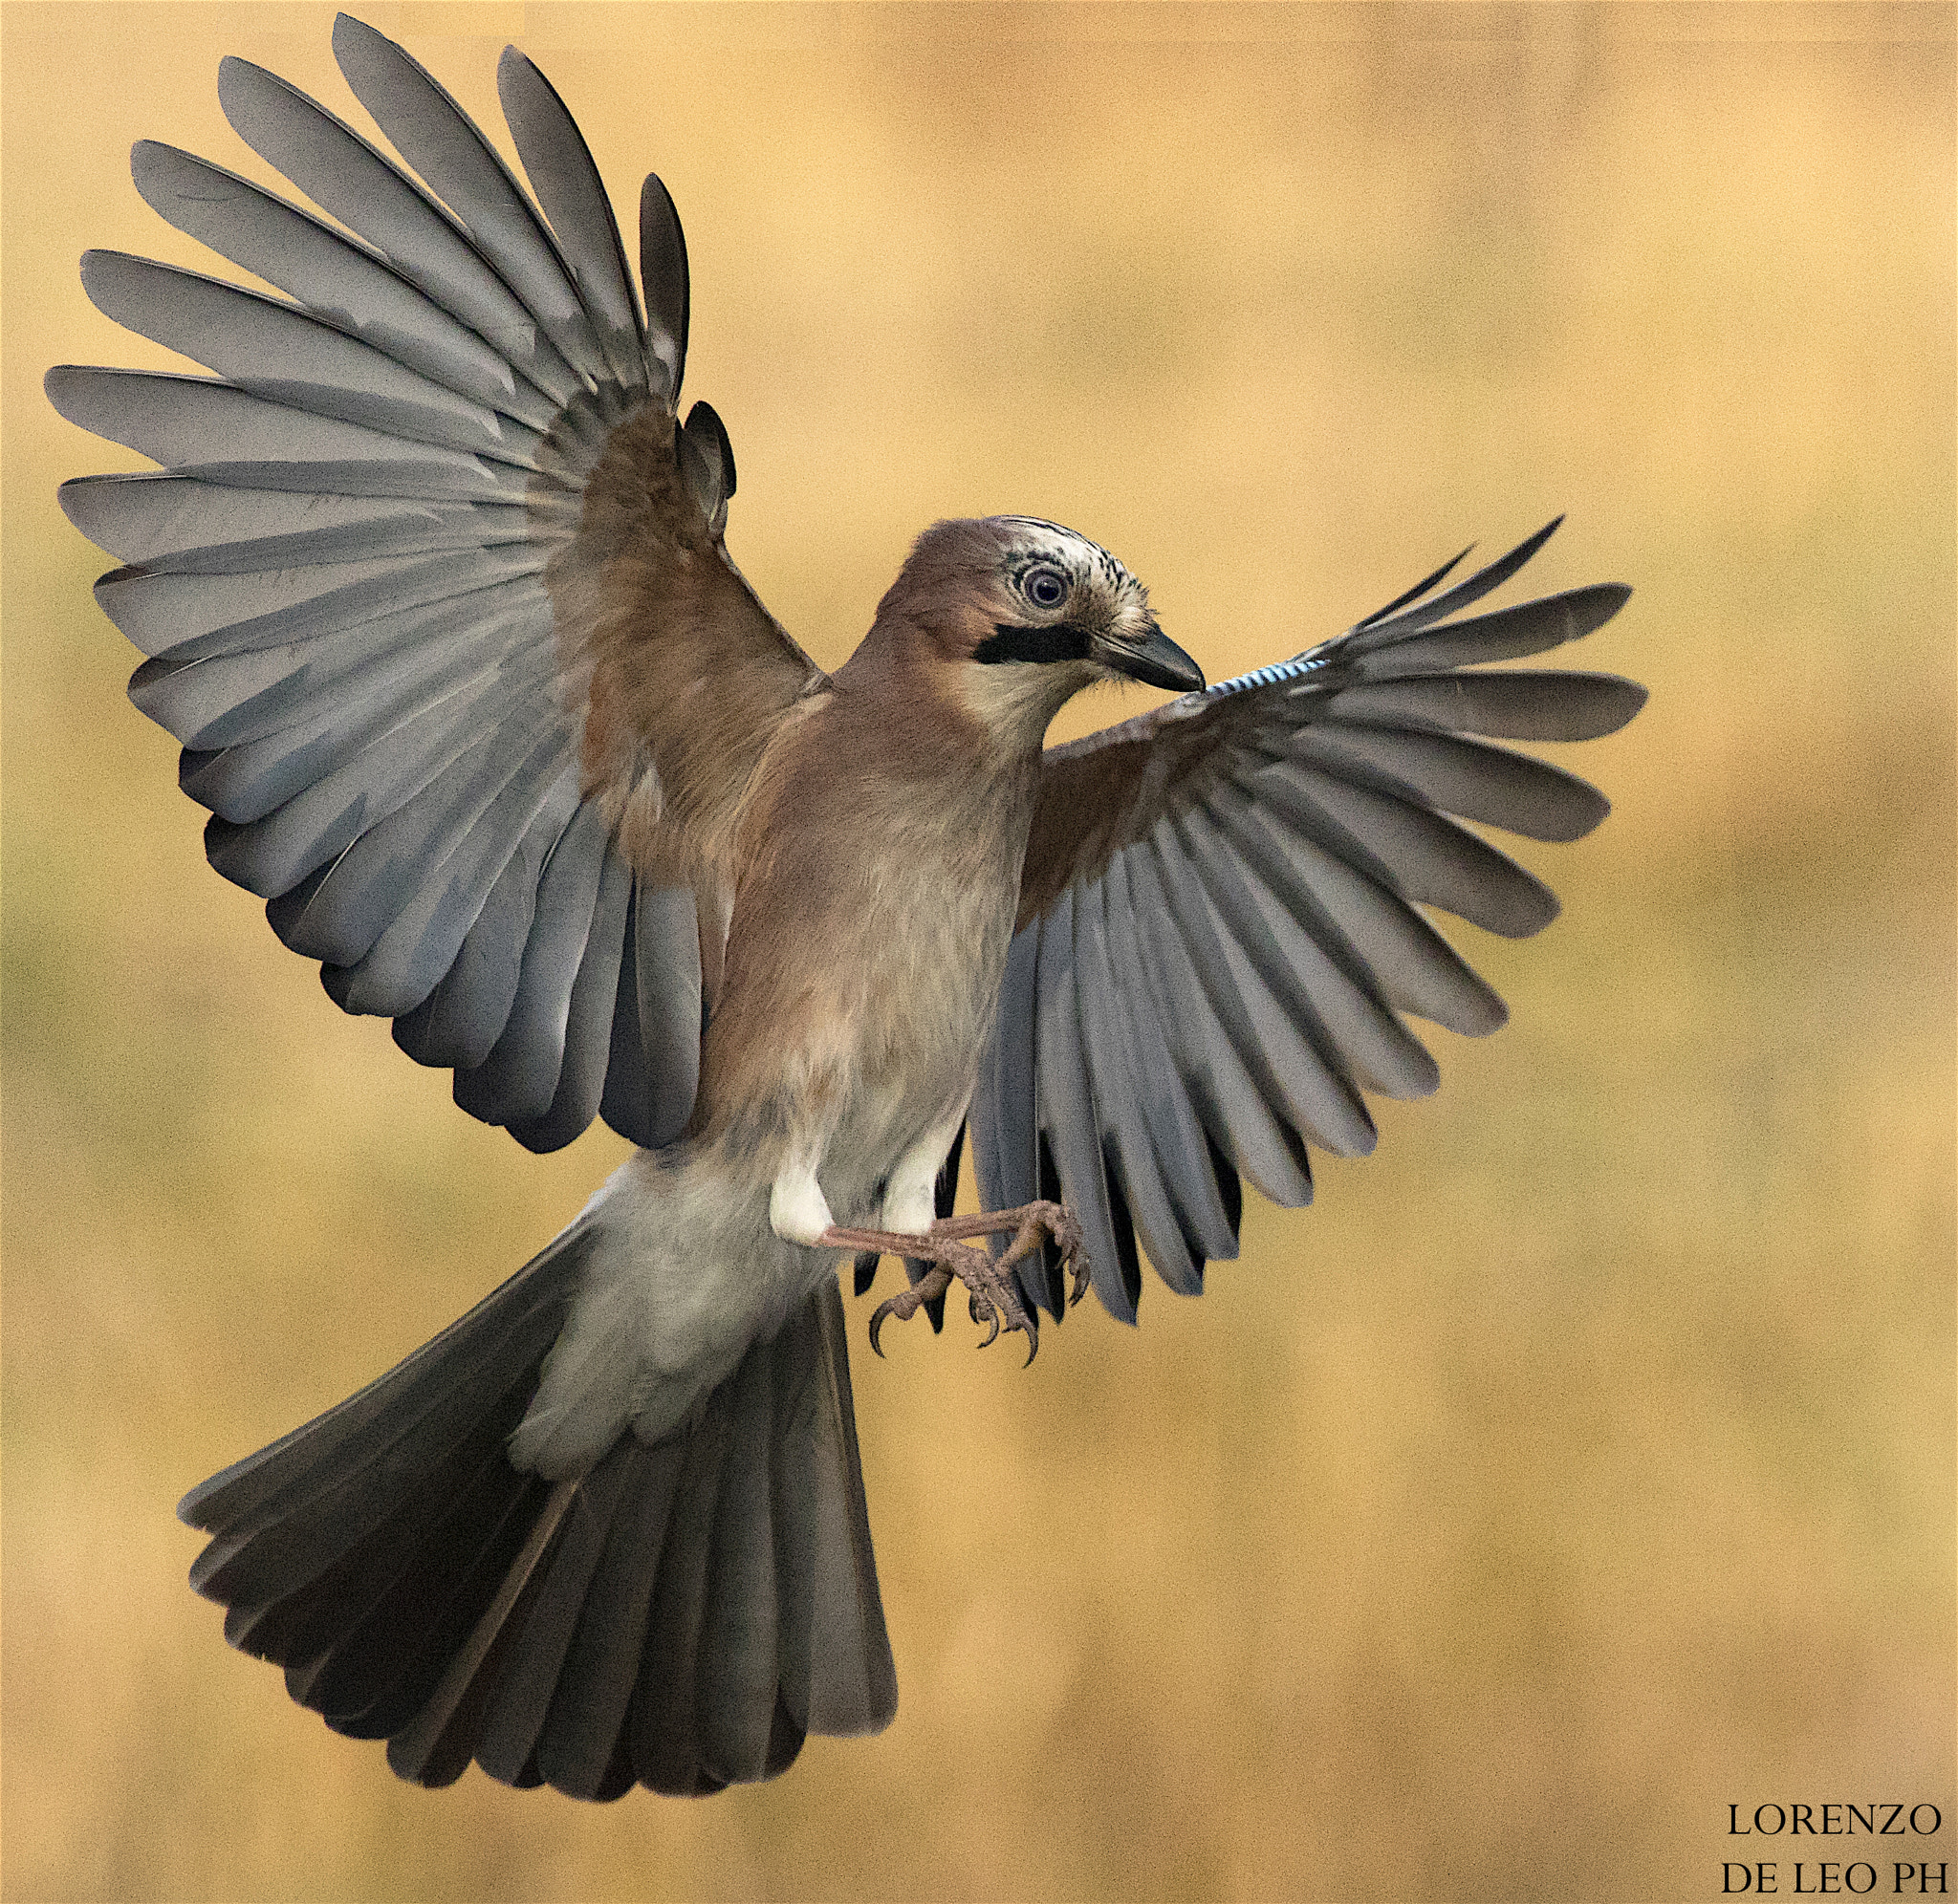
[1022, 614]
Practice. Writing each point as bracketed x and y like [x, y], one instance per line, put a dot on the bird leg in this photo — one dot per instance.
[990, 1283]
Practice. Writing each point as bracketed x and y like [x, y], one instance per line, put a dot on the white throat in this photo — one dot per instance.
[1017, 702]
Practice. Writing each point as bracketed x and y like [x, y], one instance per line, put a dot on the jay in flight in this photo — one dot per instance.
[433, 590]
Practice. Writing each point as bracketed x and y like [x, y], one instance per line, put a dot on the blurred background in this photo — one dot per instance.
[1578, 1465]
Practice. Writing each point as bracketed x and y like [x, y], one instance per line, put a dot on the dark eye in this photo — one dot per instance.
[1044, 588]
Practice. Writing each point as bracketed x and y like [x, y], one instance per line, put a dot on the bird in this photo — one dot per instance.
[433, 584]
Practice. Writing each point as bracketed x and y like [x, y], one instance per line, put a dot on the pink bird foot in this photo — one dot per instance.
[990, 1282]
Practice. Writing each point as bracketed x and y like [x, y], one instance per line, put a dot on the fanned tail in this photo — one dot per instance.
[680, 1615]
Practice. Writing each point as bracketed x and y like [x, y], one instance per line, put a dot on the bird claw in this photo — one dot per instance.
[994, 1297]
[1040, 1223]
[907, 1302]
[982, 1310]
[993, 1294]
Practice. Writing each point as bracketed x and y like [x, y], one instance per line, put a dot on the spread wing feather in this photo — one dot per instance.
[573, 198]
[333, 275]
[289, 357]
[1164, 1135]
[1220, 922]
[350, 178]
[426, 581]
[205, 428]
[174, 524]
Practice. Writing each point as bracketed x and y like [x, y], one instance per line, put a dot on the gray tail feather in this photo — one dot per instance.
[680, 1616]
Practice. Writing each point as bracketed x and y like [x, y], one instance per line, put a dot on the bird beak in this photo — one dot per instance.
[1157, 660]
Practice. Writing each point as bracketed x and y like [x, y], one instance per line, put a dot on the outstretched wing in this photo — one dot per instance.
[434, 588]
[1220, 925]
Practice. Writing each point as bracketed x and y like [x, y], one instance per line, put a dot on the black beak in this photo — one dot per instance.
[1158, 662]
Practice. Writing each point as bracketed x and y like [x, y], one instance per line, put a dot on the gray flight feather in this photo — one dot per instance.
[379, 1681]
[376, 663]
[1278, 1024]
[667, 992]
[1458, 776]
[666, 1741]
[435, 1747]
[1336, 1004]
[380, 877]
[1006, 1156]
[1111, 1056]
[1377, 937]
[740, 1652]
[333, 275]
[561, 172]
[1232, 1099]
[627, 1103]
[408, 1674]
[1419, 589]
[271, 856]
[174, 525]
[290, 356]
[189, 617]
[1175, 1134]
[662, 271]
[588, 1021]
[203, 426]
[853, 1685]
[1389, 626]
[518, 1079]
[1067, 1118]
[1229, 994]
[433, 896]
[707, 464]
[459, 1024]
[516, 1712]
[291, 734]
[1529, 628]
[655, 1062]
[465, 171]
[698, 472]
[348, 177]
[1516, 706]
[314, 1616]
[1013, 1156]
[804, 1479]
[440, 141]
[1423, 855]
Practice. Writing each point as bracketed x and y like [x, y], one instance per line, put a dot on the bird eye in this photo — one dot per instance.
[1044, 588]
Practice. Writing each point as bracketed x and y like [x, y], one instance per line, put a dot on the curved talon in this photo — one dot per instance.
[1068, 1240]
[993, 1290]
[907, 1302]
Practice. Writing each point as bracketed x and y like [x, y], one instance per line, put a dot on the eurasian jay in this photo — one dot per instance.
[435, 593]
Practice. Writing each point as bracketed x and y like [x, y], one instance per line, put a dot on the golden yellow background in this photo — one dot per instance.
[1583, 1463]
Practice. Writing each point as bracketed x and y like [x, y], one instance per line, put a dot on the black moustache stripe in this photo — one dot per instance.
[1058, 641]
